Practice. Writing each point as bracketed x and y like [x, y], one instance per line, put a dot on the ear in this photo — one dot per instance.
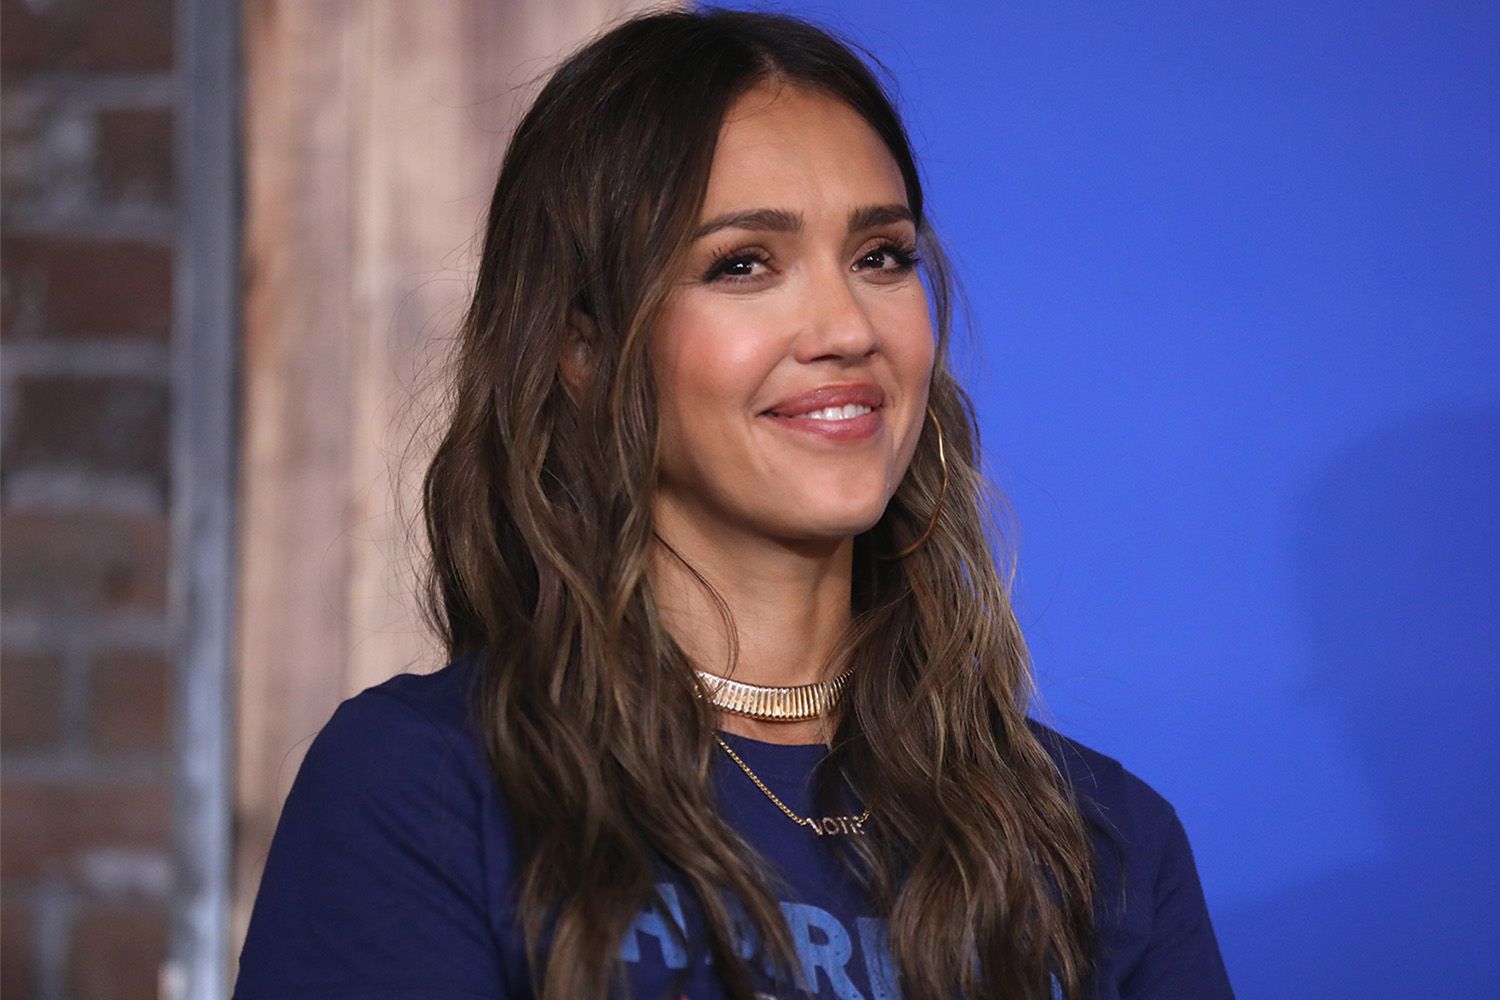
[577, 361]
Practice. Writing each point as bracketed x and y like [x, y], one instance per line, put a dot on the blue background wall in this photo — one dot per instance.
[1235, 280]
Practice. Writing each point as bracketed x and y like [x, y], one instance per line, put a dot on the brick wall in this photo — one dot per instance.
[86, 246]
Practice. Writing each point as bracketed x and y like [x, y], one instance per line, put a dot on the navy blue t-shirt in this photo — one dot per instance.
[391, 874]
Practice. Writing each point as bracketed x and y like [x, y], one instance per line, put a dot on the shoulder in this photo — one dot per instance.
[441, 697]
[390, 869]
[1113, 799]
[397, 743]
[427, 707]
[1156, 936]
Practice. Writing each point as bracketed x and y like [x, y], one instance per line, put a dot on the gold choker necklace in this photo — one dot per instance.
[801, 703]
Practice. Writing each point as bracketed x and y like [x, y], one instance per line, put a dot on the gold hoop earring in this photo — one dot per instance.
[942, 495]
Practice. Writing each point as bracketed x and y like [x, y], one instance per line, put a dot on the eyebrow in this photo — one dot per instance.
[780, 220]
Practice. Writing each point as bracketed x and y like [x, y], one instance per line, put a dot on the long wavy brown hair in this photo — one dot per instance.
[537, 507]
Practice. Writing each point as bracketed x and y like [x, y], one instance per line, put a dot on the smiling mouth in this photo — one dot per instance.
[846, 424]
[848, 411]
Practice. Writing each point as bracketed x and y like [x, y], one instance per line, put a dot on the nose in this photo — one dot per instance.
[837, 324]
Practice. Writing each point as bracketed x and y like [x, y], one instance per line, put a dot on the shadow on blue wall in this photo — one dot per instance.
[1395, 543]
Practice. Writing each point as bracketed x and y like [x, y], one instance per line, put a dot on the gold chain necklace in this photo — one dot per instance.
[801, 703]
[826, 826]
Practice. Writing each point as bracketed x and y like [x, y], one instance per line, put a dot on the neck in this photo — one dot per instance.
[790, 604]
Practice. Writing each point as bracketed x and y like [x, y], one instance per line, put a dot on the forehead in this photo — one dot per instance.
[789, 146]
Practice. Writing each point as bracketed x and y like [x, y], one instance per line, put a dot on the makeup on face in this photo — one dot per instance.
[794, 354]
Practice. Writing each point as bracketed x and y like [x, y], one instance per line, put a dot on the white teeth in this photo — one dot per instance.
[845, 412]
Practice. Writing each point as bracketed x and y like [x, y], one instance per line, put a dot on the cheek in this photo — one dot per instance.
[911, 343]
[710, 367]
[912, 350]
[710, 364]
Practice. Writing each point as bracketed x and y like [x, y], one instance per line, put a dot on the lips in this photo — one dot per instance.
[858, 393]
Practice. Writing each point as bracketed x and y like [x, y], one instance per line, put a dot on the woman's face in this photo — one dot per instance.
[794, 354]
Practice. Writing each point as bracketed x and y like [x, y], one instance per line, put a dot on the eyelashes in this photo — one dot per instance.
[904, 255]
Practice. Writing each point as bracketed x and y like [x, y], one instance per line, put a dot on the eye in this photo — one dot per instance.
[892, 257]
[734, 267]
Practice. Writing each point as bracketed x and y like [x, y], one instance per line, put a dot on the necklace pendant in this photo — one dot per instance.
[836, 826]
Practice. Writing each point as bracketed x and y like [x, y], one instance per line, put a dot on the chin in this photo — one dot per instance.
[835, 524]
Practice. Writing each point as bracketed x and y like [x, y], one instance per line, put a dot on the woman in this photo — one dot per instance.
[737, 702]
